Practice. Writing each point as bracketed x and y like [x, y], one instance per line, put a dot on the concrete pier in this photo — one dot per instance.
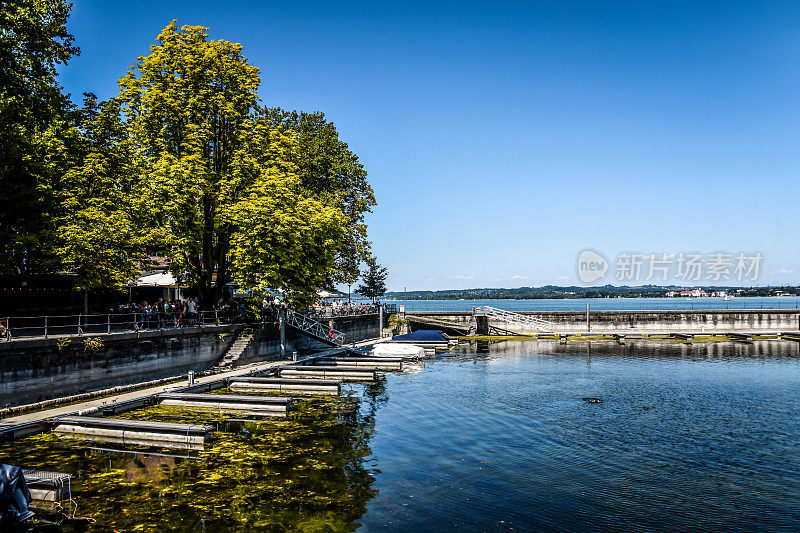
[656, 321]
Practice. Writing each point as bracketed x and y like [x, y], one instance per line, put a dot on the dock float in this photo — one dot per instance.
[48, 486]
[140, 432]
[253, 405]
[295, 386]
[382, 363]
[344, 373]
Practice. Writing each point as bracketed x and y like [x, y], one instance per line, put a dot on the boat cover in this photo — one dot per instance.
[423, 335]
[385, 349]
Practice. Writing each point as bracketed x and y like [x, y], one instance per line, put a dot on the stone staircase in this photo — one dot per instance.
[236, 349]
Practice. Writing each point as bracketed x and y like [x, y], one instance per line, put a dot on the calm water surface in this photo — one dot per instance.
[499, 438]
[493, 437]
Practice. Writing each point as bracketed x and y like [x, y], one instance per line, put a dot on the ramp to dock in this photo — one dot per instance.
[138, 432]
[521, 321]
[451, 328]
[295, 386]
[311, 328]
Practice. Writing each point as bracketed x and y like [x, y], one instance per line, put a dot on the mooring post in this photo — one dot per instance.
[191, 377]
[294, 356]
[588, 324]
[282, 329]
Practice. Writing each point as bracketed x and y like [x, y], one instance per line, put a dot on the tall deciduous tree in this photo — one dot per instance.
[373, 283]
[35, 130]
[329, 170]
[212, 183]
[187, 106]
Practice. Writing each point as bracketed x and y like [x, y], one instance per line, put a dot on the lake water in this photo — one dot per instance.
[603, 304]
[492, 437]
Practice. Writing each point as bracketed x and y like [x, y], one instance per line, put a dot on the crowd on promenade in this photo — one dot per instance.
[161, 313]
[341, 307]
[186, 313]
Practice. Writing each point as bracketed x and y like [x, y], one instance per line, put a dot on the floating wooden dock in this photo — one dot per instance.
[139, 432]
[295, 386]
[253, 405]
[345, 373]
[383, 363]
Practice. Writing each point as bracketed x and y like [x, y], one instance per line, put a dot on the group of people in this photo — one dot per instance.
[340, 306]
[183, 313]
[162, 313]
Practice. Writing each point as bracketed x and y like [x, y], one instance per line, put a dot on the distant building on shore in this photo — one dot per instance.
[688, 293]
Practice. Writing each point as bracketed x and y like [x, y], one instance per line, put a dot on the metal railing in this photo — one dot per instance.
[312, 327]
[331, 312]
[18, 327]
[525, 321]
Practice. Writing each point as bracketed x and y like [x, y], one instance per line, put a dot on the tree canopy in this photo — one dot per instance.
[184, 163]
[36, 130]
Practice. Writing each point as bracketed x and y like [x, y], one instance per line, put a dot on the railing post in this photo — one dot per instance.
[8, 328]
[109, 323]
[282, 329]
[216, 316]
[45, 327]
[80, 331]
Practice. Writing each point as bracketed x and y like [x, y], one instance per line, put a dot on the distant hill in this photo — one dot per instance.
[555, 291]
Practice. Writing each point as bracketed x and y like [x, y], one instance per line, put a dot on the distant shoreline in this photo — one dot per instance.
[605, 292]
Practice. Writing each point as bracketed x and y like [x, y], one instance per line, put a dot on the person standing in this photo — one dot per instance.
[191, 310]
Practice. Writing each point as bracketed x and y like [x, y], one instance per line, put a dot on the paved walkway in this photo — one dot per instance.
[125, 396]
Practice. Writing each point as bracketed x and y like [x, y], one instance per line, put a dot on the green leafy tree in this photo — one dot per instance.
[187, 109]
[214, 185]
[373, 283]
[100, 240]
[329, 170]
[284, 239]
[36, 130]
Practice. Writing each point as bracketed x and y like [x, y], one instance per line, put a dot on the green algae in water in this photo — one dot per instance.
[303, 473]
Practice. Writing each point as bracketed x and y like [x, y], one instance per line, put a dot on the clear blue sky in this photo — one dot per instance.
[502, 138]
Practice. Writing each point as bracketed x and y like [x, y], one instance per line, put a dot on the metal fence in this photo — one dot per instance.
[22, 327]
[69, 325]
